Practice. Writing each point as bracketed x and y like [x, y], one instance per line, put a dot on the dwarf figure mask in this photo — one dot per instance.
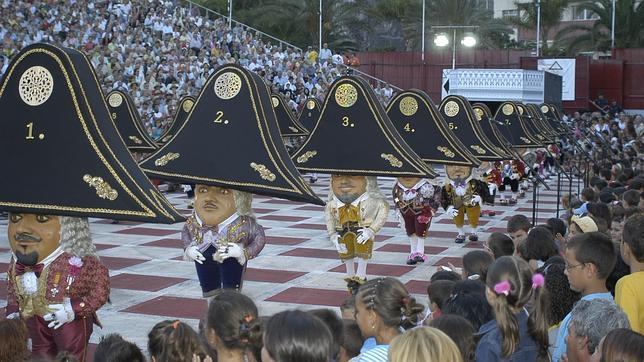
[215, 204]
[347, 188]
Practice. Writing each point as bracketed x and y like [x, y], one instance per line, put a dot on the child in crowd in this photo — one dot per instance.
[334, 323]
[587, 195]
[629, 292]
[621, 344]
[558, 229]
[424, 344]
[383, 308]
[581, 225]
[516, 333]
[590, 258]
[232, 326]
[113, 348]
[438, 292]
[468, 301]
[294, 335]
[500, 245]
[174, 341]
[518, 227]
[475, 264]
[351, 340]
[538, 247]
[460, 330]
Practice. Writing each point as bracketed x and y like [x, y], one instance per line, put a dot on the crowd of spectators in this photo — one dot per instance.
[160, 51]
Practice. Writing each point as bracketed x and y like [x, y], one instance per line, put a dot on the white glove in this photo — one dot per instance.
[451, 211]
[193, 253]
[233, 250]
[476, 199]
[514, 176]
[62, 313]
[365, 234]
[341, 248]
[491, 188]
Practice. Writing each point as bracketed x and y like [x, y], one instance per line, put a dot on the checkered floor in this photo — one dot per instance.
[298, 268]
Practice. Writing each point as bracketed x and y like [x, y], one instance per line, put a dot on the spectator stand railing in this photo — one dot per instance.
[211, 14]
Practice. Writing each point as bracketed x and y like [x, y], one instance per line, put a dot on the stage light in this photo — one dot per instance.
[468, 40]
[441, 40]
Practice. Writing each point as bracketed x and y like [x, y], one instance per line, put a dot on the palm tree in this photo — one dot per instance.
[629, 17]
[551, 14]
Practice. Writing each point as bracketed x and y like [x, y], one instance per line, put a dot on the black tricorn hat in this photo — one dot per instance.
[128, 122]
[460, 117]
[61, 153]
[552, 116]
[354, 136]
[180, 116]
[310, 114]
[530, 125]
[289, 126]
[511, 126]
[539, 120]
[489, 127]
[425, 131]
[231, 139]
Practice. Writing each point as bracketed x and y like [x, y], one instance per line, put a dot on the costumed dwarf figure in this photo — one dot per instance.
[490, 174]
[512, 174]
[244, 156]
[417, 201]
[220, 236]
[356, 210]
[463, 194]
[55, 281]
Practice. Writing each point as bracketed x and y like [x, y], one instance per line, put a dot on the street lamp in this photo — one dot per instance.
[442, 39]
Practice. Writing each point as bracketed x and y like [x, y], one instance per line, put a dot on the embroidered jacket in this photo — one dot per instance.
[243, 230]
[423, 198]
[473, 188]
[372, 212]
[87, 286]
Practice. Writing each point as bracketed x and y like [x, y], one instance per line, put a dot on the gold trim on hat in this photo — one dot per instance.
[395, 162]
[115, 100]
[187, 105]
[346, 95]
[227, 85]
[170, 156]
[446, 151]
[310, 104]
[478, 149]
[306, 156]
[293, 180]
[146, 211]
[544, 109]
[451, 108]
[508, 109]
[103, 189]
[408, 106]
[35, 85]
[276, 102]
[135, 139]
[134, 118]
[478, 112]
[264, 172]
[525, 139]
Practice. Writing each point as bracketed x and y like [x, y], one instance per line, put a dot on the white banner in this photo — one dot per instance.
[564, 68]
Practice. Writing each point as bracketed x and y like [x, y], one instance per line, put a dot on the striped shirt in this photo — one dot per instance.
[375, 354]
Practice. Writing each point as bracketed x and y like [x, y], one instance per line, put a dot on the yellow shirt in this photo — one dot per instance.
[629, 295]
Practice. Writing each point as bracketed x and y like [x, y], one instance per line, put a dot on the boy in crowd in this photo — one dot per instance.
[518, 227]
[629, 292]
[590, 258]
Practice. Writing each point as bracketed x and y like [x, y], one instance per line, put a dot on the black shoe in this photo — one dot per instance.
[474, 237]
[411, 260]
[460, 239]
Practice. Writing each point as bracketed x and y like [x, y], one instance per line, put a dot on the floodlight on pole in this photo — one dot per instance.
[423, 35]
[441, 40]
[468, 40]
